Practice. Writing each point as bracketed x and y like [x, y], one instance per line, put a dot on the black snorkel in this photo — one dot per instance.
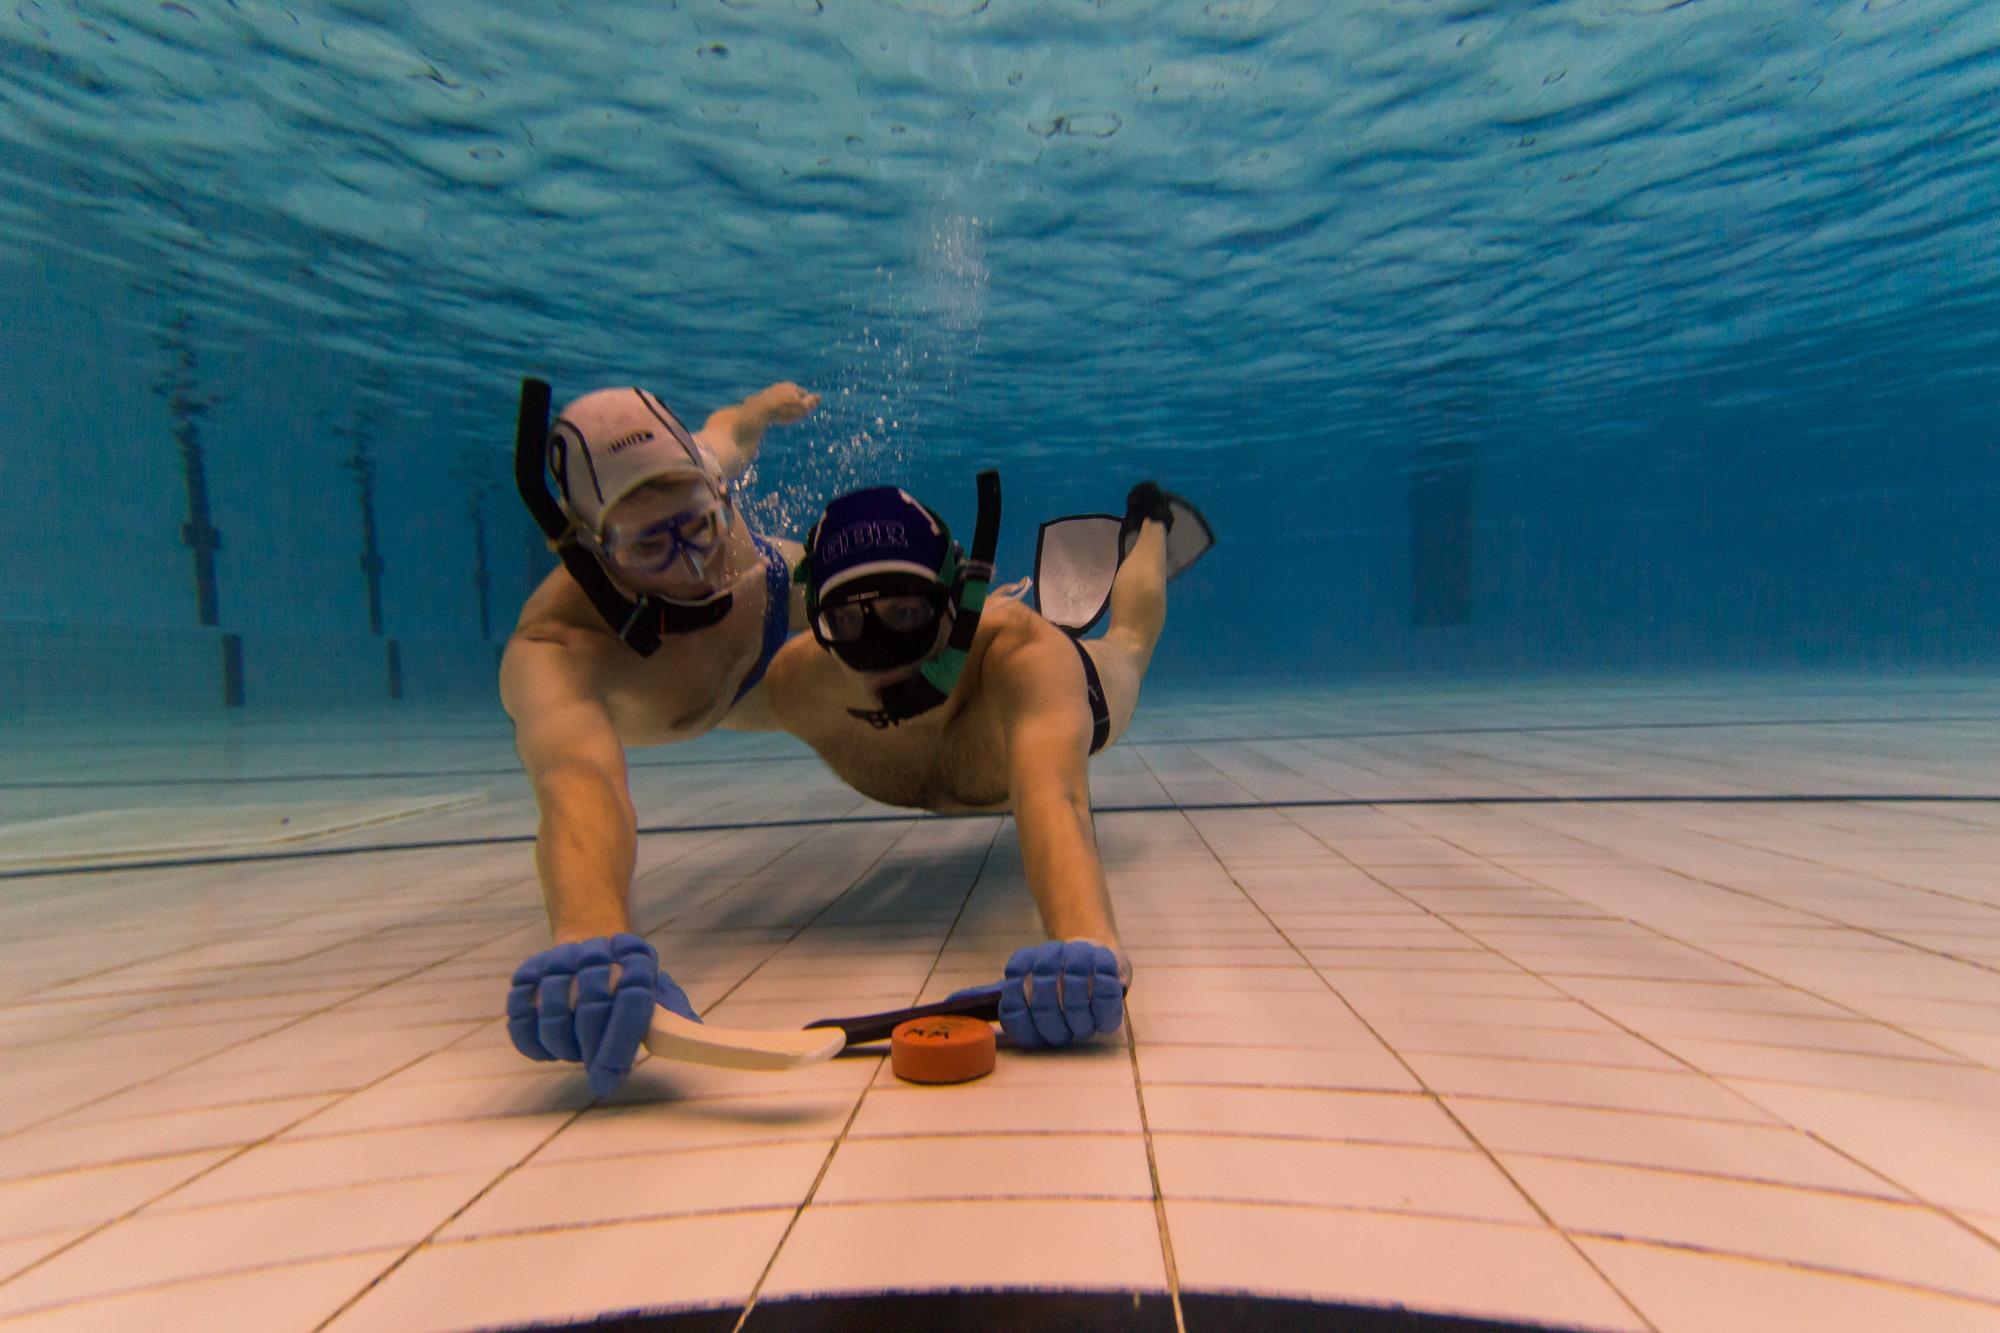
[640, 624]
[934, 683]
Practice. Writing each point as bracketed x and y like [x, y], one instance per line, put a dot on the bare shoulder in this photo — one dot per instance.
[550, 661]
[794, 662]
[1013, 637]
[796, 676]
[1005, 621]
[559, 612]
[559, 626]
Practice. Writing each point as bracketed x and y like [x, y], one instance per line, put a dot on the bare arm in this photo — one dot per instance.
[587, 844]
[736, 433]
[1038, 682]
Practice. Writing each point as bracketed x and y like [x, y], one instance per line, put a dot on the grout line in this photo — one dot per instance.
[603, 1224]
[410, 1251]
[826, 1164]
[1794, 1265]
[791, 1225]
[1767, 1260]
[1767, 979]
[745, 877]
[782, 757]
[53, 1120]
[1724, 1082]
[312, 1191]
[1909, 1201]
[118, 1293]
[1868, 931]
[510, 771]
[883, 1201]
[1341, 802]
[1445, 915]
[326, 1100]
[778, 946]
[1904, 1200]
[353, 937]
[91, 1231]
[1436, 1098]
[1167, 1258]
[1562, 728]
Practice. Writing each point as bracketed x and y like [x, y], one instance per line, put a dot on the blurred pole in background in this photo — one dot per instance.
[1441, 535]
[360, 461]
[482, 577]
[361, 464]
[473, 472]
[176, 386]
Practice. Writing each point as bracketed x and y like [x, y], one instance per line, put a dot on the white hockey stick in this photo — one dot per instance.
[672, 1037]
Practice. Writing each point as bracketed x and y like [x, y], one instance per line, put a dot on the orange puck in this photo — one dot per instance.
[951, 1049]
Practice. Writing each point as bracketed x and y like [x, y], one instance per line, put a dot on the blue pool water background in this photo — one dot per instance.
[1661, 336]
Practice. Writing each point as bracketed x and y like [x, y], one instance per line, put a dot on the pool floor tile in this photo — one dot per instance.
[1059, 1244]
[550, 1276]
[1443, 1265]
[997, 1166]
[1578, 1062]
[1687, 1291]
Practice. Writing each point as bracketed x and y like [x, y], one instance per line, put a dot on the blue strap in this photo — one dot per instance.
[777, 611]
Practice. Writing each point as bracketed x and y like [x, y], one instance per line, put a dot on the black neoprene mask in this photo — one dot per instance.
[881, 647]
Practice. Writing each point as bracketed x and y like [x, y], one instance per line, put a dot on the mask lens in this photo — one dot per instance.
[903, 614]
[646, 552]
[693, 535]
[884, 628]
[701, 532]
[844, 623]
[847, 622]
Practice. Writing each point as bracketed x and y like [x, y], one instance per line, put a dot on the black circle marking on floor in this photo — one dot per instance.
[1022, 1311]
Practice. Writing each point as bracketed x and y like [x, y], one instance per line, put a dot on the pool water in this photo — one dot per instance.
[1555, 840]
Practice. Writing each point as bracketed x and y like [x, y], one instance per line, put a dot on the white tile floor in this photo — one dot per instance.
[1672, 1065]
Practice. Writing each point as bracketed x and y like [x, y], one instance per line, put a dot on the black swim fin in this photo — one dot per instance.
[1188, 533]
[1077, 557]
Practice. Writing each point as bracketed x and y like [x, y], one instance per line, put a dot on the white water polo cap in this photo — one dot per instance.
[610, 442]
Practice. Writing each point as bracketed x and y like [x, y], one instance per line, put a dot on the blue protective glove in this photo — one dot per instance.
[564, 1005]
[1060, 992]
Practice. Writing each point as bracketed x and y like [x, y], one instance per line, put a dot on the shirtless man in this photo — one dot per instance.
[912, 705]
[657, 627]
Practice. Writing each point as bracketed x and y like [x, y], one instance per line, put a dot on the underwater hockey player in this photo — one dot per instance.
[657, 627]
[917, 691]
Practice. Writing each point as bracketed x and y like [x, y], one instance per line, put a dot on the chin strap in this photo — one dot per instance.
[641, 624]
[933, 685]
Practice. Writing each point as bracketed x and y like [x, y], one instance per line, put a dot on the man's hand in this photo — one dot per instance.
[1060, 992]
[591, 1001]
[783, 403]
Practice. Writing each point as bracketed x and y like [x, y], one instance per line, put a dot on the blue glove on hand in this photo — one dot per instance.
[565, 1005]
[1061, 992]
